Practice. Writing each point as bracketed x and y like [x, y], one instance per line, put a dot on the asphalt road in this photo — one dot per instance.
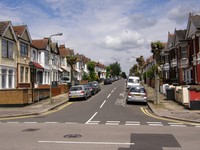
[104, 121]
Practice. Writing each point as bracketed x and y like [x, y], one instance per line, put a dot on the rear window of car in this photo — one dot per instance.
[134, 81]
[76, 88]
[138, 90]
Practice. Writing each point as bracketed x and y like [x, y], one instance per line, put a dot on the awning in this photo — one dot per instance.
[36, 65]
[60, 70]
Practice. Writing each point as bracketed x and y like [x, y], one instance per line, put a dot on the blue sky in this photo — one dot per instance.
[103, 30]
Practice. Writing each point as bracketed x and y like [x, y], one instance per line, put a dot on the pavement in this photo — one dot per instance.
[166, 108]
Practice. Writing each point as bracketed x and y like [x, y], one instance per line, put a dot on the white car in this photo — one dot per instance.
[132, 81]
[65, 79]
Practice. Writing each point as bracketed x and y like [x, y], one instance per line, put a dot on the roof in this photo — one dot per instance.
[65, 51]
[40, 43]
[36, 65]
[19, 30]
[180, 35]
[195, 20]
[170, 39]
[3, 26]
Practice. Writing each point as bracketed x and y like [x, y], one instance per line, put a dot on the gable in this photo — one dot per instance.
[9, 34]
[25, 36]
[191, 30]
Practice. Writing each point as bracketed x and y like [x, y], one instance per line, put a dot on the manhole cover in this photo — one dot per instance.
[30, 130]
[72, 136]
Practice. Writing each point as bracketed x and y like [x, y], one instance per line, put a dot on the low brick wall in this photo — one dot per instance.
[14, 97]
[29, 95]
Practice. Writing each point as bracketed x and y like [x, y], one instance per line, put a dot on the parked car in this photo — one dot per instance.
[65, 79]
[136, 94]
[79, 91]
[92, 88]
[97, 85]
[133, 81]
[107, 81]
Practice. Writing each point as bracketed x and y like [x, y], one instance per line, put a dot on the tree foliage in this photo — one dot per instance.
[115, 69]
[156, 48]
[91, 68]
[123, 75]
[71, 60]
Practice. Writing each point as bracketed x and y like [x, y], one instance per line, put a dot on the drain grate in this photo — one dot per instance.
[30, 130]
[72, 136]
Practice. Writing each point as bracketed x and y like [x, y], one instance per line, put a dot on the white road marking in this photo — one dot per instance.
[12, 122]
[102, 104]
[30, 122]
[132, 123]
[174, 123]
[51, 122]
[155, 124]
[108, 96]
[112, 91]
[91, 118]
[112, 122]
[93, 122]
[177, 125]
[197, 126]
[91, 143]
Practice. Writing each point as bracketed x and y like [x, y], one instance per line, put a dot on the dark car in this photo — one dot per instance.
[107, 81]
[95, 87]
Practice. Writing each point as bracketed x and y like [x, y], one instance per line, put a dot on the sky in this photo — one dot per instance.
[106, 31]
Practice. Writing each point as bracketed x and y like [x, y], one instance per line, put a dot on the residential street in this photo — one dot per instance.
[103, 121]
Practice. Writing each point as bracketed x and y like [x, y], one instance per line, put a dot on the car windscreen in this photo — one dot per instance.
[133, 80]
[76, 88]
[137, 90]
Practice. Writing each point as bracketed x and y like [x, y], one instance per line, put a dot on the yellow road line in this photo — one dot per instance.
[145, 111]
[46, 113]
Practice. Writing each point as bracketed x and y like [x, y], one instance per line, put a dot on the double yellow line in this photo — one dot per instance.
[146, 112]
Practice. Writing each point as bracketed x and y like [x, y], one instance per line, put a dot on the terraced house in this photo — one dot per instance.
[8, 56]
[29, 67]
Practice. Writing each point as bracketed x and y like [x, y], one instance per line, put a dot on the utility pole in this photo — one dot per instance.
[58, 34]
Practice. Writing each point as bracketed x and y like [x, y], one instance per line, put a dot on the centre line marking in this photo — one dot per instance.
[102, 104]
[108, 96]
[94, 143]
[91, 118]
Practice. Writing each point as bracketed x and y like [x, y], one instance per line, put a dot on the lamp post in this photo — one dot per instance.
[57, 34]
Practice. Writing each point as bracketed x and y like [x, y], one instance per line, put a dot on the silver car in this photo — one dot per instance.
[79, 91]
[136, 94]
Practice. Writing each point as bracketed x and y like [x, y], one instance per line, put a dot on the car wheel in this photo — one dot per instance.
[86, 97]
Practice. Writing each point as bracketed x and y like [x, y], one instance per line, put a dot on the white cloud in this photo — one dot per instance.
[124, 41]
[103, 30]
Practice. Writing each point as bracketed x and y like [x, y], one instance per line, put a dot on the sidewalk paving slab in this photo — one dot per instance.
[35, 108]
[170, 108]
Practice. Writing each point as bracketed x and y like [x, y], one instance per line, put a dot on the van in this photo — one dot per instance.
[133, 81]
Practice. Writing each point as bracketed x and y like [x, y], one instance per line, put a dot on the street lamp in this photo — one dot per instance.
[57, 34]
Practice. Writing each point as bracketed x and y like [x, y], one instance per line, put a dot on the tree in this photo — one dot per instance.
[91, 68]
[107, 71]
[156, 48]
[141, 62]
[115, 69]
[123, 75]
[71, 60]
[134, 70]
